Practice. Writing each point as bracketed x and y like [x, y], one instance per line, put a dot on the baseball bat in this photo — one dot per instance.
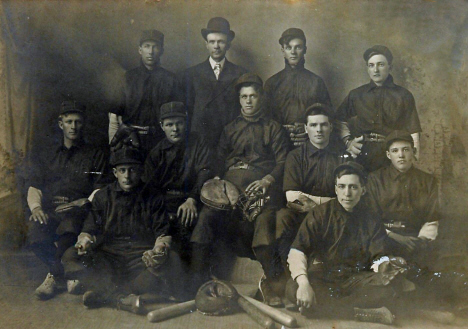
[275, 314]
[259, 317]
[171, 311]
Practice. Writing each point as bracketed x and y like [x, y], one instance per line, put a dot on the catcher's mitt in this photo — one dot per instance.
[215, 297]
[155, 258]
[125, 136]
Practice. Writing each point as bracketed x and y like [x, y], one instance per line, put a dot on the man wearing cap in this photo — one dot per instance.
[146, 88]
[125, 246]
[209, 86]
[60, 175]
[308, 175]
[374, 110]
[251, 155]
[177, 168]
[407, 200]
[349, 240]
[291, 91]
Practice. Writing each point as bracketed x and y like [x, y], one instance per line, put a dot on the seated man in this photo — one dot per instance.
[406, 199]
[348, 238]
[177, 168]
[308, 175]
[251, 155]
[69, 172]
[124, 247]
[374, 110]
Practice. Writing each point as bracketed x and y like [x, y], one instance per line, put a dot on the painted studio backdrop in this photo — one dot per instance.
[51, 50]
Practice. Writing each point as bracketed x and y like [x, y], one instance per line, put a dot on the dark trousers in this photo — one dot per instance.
[117, 268]
[288, 222]
[50, 241]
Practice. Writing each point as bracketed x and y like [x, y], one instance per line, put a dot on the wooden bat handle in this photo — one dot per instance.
[171, 311]
[259, 317]
[277, 315]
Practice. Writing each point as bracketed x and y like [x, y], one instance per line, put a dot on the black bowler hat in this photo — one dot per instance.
[72, 107]
[355, 167]
[218, 25]
[153, 35]
[248, 78]
[294, 33]
[126, 155]
[398, 135]
[172, 109]
[378, 50]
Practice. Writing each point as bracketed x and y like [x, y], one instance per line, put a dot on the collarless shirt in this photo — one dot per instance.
[379, 109]
[310, 170]
[262, 143]
[410, 198]
[346, 242]
[291, 91]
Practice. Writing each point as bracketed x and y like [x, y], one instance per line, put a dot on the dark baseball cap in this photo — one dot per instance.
[248, 78]
[378, 50]
[398, 135]
[153, 35]
[126, 155]
[72, 107]
[172, 109]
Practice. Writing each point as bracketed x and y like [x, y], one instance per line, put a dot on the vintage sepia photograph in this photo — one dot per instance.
[233, 164]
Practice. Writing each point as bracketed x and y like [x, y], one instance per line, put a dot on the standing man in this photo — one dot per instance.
[209, 86]
[67, 173]
[406, 198]
[292, 90]
[308, 175]
[374, 110]
[177, 168]
[349, 240]
[124, 249]
[146, 88]
[251, 155]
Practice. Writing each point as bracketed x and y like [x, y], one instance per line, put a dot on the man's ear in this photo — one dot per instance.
[283, 51]
[60, 124]
[140, 51]
[305, 50]
[388, 155]
[114, 170]
[364, 190]
[161, 125]
[228, 45]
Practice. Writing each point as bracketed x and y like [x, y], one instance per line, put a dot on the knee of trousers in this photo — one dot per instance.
[207, 223]
[287, 221]
[40, 233]
[73, 264]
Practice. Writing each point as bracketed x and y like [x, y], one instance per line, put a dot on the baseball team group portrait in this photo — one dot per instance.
[264, 164]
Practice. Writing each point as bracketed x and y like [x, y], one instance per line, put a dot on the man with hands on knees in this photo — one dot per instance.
[176, 168]
[124, 249]
[349, 240]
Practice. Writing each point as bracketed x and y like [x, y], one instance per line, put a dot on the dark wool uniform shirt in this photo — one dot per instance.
[136, 214]
[262, 144]
[381, 110]
[212, 103]
[181, 167]
[345, 242]
[410, 198]
[291, 91]
[144, 93]
[310, 170]
[73, 173]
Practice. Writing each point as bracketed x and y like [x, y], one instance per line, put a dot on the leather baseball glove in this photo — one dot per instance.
[215, 297]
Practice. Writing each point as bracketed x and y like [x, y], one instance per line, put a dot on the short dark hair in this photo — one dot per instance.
[287, 39]
[317, 109]
[351, 171]
[64, 115]
[258, 88]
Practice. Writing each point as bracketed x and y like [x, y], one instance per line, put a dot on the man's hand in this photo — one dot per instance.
[410, 243]
[156, 256]
[297, 133]
[303, 205]
[259, 185]
[38, 215]
[187, 212]
[84, 244]
[354, 146]
[305, 294]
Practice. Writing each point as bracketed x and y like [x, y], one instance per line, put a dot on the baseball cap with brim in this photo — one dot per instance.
[173, 109]
[398, 135]
[126, 155]
[218, 25]
[72, 107]
[248, 78]
[354, 166]
[378, 50]
[152, 35]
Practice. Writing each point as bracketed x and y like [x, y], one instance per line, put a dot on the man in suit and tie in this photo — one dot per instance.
[209, 86]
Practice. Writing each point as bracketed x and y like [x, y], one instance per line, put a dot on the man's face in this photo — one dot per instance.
[378, 69]
[128, 175]
[401, 153]
[72, 126]
[249, 100]
[150, 52]
[174, 128]
[217, 45]
[294, 51]
[349, 191]
[318, 128]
